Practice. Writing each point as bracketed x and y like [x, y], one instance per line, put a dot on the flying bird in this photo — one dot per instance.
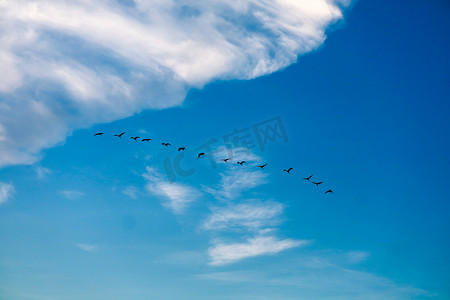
[201, 154]
[165, 144]
[262, 166]
[329, 191]
[134, 138]
[317, 183]
[288, 170]
[181, 148]
[146, 140]
[99, 133]
[308, 178]
[241, 162]
[119, 135]
[226, 159]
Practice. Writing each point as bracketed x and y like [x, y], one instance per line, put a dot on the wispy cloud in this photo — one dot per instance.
[249, 216]
[355, 257]
[41, 172]
[325, 284]
[175, 196]
[6, 191]
[72, 194]
[235, 154]
[221, 253]
[236, 180]
[130, 191]
[88, 247]
[135, 57]
[320, 276]
[252, 214]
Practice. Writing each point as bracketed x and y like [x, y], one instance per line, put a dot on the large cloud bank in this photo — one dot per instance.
[71, 64]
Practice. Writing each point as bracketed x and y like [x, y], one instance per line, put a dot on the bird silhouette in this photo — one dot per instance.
[202, 154]
[288, 170]
[308, 178]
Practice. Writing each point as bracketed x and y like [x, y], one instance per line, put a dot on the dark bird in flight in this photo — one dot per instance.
[99, 133]
[181, 148]
[308, 178]
[134, 138]
[329, 191]
[146, 140]
[317, 183]
[288, 170]
[226, 159]
[119, 135]
[201, 154]
[241, 162]
[262, 166]
[165, 144]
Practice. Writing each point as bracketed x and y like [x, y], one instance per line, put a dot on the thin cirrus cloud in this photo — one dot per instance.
[356, 257]
[174, 196]
[72, 194]
[72, 64]
[250, 215]
[234, 181]
[222, 253]
[88, 247]
[253, 217]
[320, 277]
[131, 192]
[6, 191]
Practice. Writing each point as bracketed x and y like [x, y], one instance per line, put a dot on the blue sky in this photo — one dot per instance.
[359, 92]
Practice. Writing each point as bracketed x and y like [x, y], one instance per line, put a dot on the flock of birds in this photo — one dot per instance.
[202, 154]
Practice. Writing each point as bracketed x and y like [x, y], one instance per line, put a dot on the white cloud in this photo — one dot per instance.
[249, 215]
[41, 172]
[356, 257]
[131, 192]
[221, 253]
[88, 247]
[72, 194]
[72, 64]
[324, 284]
[175, 196]
[236, 180]
[6, 191]
[235, 154]
[319, 275]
